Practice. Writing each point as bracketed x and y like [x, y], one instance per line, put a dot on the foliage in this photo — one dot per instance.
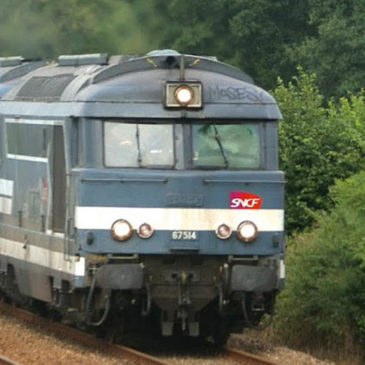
[325, 292]
[265, 38]
[337, 51]
[269, 38]
[318, 144]
[48, 28]
[249, 34]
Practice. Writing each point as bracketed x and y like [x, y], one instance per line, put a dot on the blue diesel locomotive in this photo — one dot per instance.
[140, 191]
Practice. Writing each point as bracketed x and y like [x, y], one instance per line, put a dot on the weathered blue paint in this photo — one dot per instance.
[146, 188]
[161, 242]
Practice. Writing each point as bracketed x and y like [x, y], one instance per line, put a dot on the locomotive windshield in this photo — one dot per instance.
[214, 146]
[234, 146]
[138, 145]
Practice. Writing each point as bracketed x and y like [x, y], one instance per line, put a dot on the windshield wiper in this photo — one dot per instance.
[219, 141]
[139, 158]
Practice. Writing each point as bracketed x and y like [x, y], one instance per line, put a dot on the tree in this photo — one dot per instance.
[324, 300]
[269, 38]
[48, 28]
[336, 53]
[250, 35]
[318, 144]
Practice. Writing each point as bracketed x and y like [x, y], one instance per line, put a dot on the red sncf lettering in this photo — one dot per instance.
[244, 200]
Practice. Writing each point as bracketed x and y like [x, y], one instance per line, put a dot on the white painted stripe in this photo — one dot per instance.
[6, 205]
[43, 257]
[6, 187]
[282, 269]
[33, 121]
[179, 218]
[27, 158]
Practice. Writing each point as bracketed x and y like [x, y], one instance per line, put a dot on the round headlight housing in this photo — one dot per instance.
[184, 94]
[145, 230]
[121, 230]
[247, 231]
[223, 232]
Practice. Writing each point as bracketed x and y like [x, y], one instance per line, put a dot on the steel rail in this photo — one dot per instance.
[83, 338]
[5, 361]
[243, 357]
[138, 357]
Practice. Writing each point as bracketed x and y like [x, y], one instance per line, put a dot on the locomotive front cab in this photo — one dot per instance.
[180, 213]
[189, 213]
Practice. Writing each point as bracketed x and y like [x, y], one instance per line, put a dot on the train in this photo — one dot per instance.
[140, 192]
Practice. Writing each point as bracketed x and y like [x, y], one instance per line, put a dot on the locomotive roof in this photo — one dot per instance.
[12, 69]
[118, 86]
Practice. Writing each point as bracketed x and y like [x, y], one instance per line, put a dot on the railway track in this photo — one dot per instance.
[6, 361]
[234, 356]
[137, 357]
[243, 357]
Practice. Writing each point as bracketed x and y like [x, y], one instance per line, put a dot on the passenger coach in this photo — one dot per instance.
[137, 190]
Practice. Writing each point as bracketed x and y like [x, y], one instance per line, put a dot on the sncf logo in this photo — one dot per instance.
[244, 200]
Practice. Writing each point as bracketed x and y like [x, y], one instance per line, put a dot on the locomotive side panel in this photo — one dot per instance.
[33, 221]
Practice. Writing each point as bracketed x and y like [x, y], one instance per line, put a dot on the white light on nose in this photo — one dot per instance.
[184, 94]
[121, 230]
[247, 231]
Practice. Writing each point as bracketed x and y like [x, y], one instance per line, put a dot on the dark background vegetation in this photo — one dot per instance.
[311, 55]
[266, 38]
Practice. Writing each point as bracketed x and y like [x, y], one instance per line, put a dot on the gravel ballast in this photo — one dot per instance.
[26, 345]
[19, 342]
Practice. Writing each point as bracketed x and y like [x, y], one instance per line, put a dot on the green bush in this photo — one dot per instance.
[324, 299]
[318, 144]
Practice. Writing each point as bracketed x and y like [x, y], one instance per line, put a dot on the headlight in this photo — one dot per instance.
[145, 231]
[223, 231]
[188, 94]
[184, 95]
[121, 230]
[247, 231]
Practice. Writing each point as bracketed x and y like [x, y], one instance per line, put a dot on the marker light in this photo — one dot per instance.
[247, 231]
[145, 230]
[184, 94]
[223, 231]
[121, 230]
